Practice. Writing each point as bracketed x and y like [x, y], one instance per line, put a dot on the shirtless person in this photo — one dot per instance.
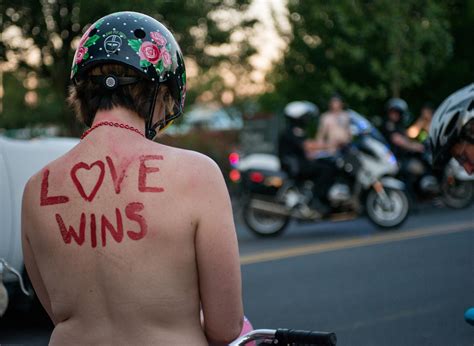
[126, 240]
[334, 129]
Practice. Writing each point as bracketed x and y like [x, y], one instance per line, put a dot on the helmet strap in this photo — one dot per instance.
[150, 128]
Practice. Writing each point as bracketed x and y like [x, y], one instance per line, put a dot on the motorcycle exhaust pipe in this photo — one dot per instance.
[269, 207]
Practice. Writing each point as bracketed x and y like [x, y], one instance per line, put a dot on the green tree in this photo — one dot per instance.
[51, 28]
[366, 50]
[457, 70]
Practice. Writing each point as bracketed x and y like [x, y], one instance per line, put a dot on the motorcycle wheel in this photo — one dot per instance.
[387, 217]
[457, 195]
[264, 224]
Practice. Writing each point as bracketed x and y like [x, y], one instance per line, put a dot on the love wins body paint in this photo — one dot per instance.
[102, 228]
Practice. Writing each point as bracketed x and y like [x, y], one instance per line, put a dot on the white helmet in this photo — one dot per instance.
[297, 110]
[448, 124]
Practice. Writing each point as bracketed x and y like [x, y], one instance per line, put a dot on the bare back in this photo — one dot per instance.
[113, 229]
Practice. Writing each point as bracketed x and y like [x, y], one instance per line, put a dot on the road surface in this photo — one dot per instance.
[404, 287]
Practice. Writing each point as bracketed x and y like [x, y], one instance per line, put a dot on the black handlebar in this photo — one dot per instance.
[291, 336]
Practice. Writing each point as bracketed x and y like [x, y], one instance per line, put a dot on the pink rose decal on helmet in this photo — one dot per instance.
[85, 37]
[150, 52]
[81, 52]
[158, 38]
[166, 56]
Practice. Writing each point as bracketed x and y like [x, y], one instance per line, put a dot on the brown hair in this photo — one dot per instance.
[87, 97]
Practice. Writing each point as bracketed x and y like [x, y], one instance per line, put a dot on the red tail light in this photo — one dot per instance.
[256, 177]
[234, 175]
[234, 159]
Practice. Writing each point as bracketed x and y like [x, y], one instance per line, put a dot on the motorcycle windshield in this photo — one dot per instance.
[361, 126]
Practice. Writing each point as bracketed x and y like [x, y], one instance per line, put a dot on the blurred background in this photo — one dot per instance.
[247, 57]
[245, 60]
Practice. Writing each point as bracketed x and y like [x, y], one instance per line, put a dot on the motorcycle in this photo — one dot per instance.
[271, 197]
[453, 185]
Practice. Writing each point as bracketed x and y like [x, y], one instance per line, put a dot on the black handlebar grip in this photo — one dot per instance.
[307, 337]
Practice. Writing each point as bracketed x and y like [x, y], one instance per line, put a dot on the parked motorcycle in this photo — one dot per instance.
[271, 197]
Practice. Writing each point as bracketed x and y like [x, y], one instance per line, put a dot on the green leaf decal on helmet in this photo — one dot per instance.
[91, 41]
[135, 44]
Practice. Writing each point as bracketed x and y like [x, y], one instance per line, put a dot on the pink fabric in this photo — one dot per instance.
[247, 327]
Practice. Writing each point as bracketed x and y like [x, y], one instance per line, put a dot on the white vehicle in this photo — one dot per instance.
[19, 160]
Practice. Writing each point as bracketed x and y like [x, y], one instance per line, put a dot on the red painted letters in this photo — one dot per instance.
[117, 234]
[132, 210]
[108, 229]
[117, 180]
[93, 231]
[71, 233]
[49, 200]
[144, 170]
[100, 179]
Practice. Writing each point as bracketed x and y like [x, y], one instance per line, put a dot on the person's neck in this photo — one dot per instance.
[122, 116]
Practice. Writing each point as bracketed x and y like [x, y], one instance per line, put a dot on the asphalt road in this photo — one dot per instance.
[409, 287]
[404, 287]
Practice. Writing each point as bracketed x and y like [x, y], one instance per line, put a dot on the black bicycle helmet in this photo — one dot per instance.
[141, 43]
[449, 124]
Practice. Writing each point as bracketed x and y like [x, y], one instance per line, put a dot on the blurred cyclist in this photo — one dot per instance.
[452, 130]
[126, 240]
[294, 150]
[452, 136]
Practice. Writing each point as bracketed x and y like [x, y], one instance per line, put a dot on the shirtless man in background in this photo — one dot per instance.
[126, 240]
[334, 127]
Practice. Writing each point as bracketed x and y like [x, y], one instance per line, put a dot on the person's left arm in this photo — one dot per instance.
[34, 274]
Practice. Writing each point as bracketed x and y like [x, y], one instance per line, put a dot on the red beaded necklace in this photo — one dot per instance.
[109, 123]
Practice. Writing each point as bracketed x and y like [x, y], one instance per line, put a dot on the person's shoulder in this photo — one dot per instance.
[35, 180]
[186, 157]
[36, 183]
[325, 115]
[192, 166]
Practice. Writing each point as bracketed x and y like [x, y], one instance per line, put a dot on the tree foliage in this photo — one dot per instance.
[52, 27]
[366, 50]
